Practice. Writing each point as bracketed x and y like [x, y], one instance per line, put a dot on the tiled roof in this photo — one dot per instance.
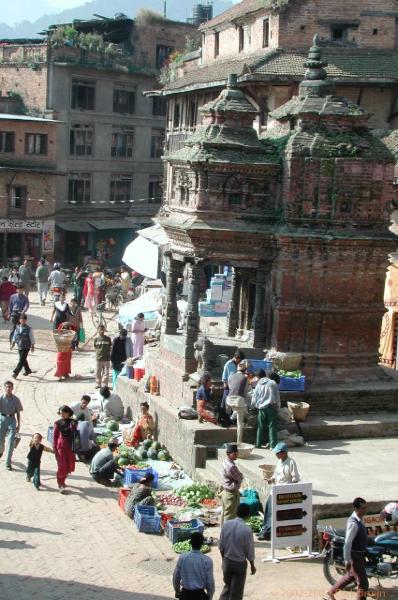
[343, 64]
[245, 8]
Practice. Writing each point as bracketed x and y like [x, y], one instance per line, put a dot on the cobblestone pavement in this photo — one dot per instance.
[80, 544]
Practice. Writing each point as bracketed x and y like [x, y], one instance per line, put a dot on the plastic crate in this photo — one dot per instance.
[147, 519]
[256, 365]
[123, 493]
[292, 384]
[176, 534]
[134, 475]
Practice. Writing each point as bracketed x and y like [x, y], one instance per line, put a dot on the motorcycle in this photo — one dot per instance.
[56, 293]
[381, 559]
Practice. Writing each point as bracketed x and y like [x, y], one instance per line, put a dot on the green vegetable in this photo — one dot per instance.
[123, 461]
[185, 546]
[255, 523]
[156, 445]
[194, 493]
[112, 426]
[163, 455]
[152, 453]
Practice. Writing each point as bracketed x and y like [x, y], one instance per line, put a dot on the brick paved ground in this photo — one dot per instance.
[80, 544]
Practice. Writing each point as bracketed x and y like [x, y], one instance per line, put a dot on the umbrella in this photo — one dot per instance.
[148, 304]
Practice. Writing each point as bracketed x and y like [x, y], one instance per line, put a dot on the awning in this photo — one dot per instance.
[142, 256]
[82, 226]
[112, 224]
[149, 304]
[155, 234]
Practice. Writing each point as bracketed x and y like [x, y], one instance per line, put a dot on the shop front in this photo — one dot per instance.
[20, 238]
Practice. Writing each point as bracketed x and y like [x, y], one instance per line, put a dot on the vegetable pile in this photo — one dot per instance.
[152, 450]
[171, 500]
[181, 547]
[255, 523]
[293, 374]
[194, 493]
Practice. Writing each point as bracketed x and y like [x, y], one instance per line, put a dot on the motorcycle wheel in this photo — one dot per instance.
[333, 571]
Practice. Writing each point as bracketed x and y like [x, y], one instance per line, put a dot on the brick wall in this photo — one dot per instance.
[296, 27]
[30, 84]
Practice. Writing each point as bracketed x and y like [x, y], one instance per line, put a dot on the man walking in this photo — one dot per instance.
[24, 339]
[356, 541]
[102, 345]
[266, 399]
[232, 480]
[193, 577]
[42, 275]
[25, 275]
[10, 420]
[236, 547]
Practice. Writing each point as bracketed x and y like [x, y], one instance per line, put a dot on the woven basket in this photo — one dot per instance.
[244, 450]
[63, 339]
[267, 471]
[299, 410]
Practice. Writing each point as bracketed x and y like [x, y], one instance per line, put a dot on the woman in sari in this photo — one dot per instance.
[89, 293]
[64, 359]
[64, 430]
[145, 426]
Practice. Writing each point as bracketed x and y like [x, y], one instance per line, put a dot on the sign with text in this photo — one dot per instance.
[23, 225]
[291, 516]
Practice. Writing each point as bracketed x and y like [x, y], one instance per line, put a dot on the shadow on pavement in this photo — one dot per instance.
[26, 528]
[20, 587]
[15, 545]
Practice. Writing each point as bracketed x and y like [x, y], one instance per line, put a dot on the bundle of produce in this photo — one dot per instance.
[210, 503]
[293, 374]
[255, 523]
[185, 546]
[195, 493]
[103, 438]
[112, 426]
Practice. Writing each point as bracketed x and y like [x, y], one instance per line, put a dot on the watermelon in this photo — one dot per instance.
[123, 461]
[147, 444]
[163, 455]
[144, 453]
[152, 453]
[112, 426]
[156, 445]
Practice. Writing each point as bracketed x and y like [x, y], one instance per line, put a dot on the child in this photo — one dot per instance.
[34, 459]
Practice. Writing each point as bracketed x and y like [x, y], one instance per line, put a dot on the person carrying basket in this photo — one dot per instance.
[64, 337]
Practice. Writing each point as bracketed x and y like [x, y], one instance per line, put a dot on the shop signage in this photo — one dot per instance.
[374, 524]
[11, 225]
[291, 518]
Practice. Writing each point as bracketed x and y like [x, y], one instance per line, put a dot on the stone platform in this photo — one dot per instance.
[339, 470]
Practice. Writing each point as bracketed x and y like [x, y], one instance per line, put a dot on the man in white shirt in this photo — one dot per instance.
[82, 407]
[57, 277]
[285, 472]
[390, 513]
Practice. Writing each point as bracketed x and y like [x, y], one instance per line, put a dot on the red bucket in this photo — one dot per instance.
[138, 374]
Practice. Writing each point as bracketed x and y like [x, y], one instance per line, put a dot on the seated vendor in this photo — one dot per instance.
[145, 427]
[141, 493]
[203, 398]
[112, 408]
[103, 466]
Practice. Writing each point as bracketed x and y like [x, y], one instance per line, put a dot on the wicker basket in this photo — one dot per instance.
[267, 471]
[63, 339]
[299, 410]
[244, 450]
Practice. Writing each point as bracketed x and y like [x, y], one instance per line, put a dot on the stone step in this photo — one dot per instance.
[361, 425]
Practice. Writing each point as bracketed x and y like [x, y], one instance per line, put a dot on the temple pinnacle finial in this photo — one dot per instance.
[232, 80]
[315, 78]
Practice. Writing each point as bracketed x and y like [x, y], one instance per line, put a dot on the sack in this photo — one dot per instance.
[82, 335]
[75, 441]
[186, 412]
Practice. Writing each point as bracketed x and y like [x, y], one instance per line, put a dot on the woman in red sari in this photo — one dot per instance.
[64, 429]
[64, 359]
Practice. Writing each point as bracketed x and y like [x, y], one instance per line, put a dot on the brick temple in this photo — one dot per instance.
[302, 215]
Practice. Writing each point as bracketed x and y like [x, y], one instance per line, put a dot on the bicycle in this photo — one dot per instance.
[97, 315]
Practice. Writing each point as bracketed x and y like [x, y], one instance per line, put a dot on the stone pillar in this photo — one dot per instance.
[257, 335]
[170, 321]
[191, 329]
[233, 311]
